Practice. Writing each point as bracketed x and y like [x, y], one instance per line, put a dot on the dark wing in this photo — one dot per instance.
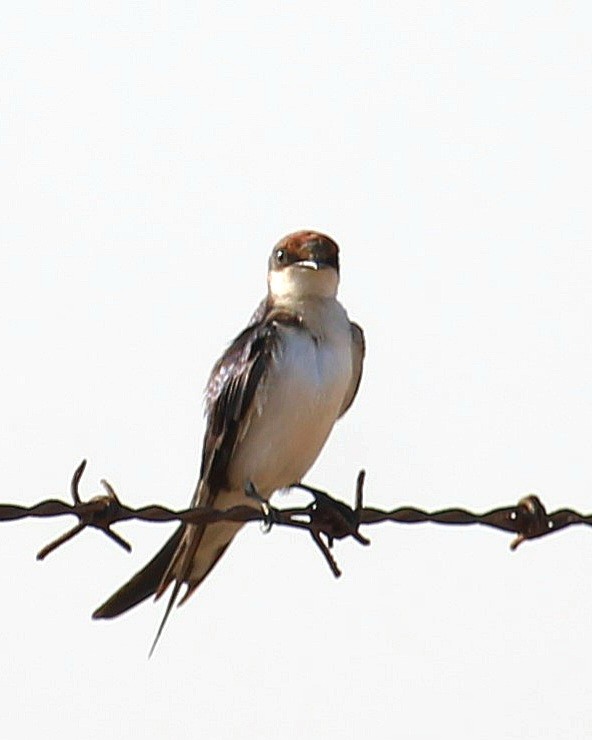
[230, 392]
[358, 352]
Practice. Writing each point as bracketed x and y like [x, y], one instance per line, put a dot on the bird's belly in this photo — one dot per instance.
[293, 412]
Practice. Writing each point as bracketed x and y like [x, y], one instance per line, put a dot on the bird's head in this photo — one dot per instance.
[305, 263]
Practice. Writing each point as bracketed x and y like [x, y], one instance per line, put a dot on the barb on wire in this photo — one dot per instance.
[97, 513]
[325, 518]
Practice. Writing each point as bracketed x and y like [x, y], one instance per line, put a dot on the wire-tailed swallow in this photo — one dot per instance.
[271, 402]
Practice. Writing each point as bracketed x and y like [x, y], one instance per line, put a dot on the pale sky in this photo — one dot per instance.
[151, 154]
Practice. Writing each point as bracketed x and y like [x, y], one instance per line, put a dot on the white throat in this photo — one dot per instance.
[294, 283]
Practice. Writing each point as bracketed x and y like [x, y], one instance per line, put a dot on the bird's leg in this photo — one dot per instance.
[323, 516]
[252, 492]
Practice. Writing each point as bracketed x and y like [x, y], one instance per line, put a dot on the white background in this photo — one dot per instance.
[151, 154]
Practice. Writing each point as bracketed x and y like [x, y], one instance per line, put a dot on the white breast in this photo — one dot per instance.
[297, 405]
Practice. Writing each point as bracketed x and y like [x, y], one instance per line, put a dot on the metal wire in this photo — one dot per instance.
[326, 518]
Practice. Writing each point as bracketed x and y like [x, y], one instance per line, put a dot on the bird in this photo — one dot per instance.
[271, 402]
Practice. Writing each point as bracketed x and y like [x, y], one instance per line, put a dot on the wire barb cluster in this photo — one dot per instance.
[325, 518]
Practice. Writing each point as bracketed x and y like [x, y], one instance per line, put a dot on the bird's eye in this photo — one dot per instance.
[281, 256]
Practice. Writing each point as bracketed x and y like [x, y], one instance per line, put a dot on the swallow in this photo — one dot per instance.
[271, 402]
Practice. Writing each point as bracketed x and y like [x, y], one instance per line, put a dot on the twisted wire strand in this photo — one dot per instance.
[326, 518]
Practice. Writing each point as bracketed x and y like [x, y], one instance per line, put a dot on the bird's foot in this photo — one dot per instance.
[268, 510]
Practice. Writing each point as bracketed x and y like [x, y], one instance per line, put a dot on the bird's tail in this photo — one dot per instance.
[143, 584]
[187, 557]
[198, 552]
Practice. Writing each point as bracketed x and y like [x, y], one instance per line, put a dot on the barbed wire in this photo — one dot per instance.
[326, 518]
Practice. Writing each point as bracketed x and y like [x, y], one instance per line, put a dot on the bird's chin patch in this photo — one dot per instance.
[299, 280]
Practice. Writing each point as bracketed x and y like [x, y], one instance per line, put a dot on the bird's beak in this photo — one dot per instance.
[310, 264]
